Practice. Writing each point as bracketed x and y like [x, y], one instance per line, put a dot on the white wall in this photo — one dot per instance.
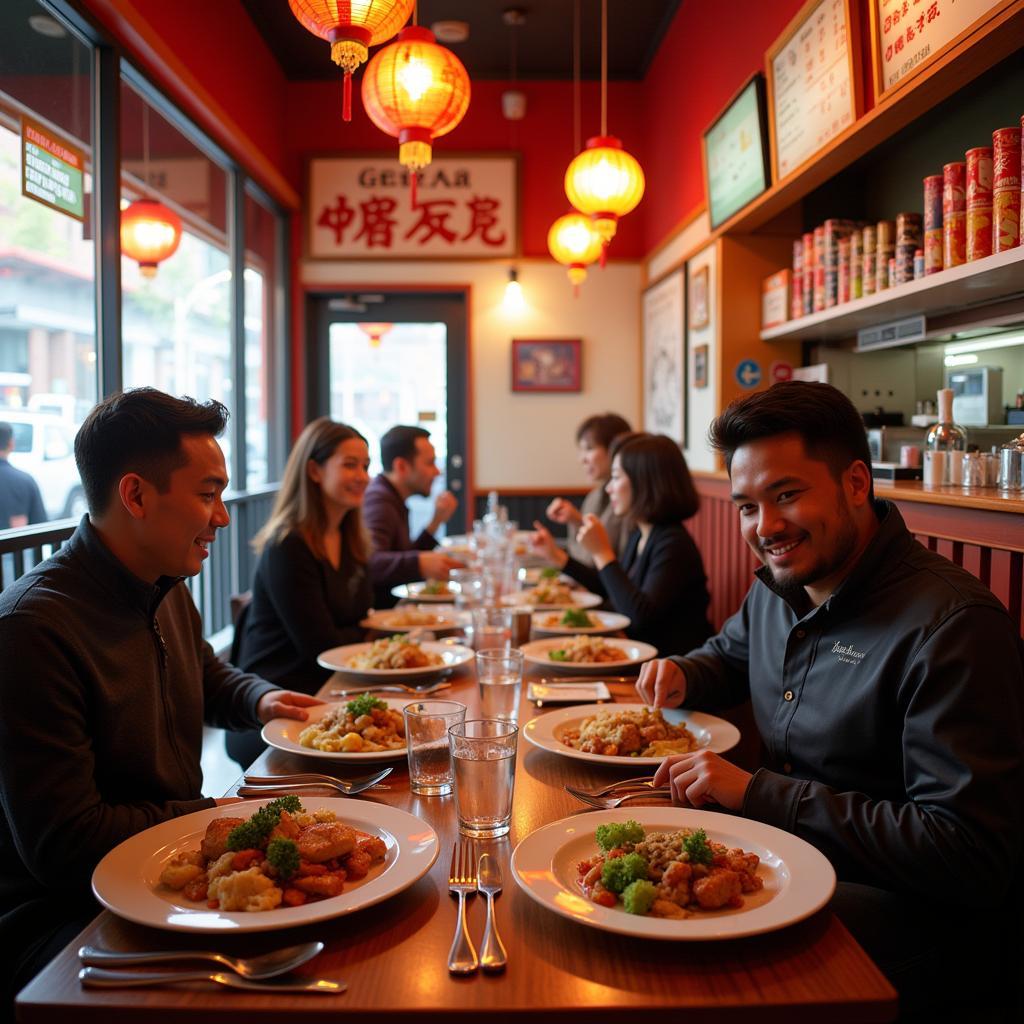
[523, 440]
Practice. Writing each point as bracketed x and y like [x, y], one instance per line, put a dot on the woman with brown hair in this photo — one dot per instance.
[660, 581]
[311, 586]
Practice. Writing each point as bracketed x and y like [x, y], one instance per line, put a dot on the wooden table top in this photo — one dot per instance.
[393, 956]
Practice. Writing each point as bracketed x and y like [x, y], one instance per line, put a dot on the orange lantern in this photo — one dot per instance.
[573, 241]
[150, 232]
[351, 27]
[417, 91]
[375, 332]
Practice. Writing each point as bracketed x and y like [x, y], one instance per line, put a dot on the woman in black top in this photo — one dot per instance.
[312, 586]
[660, 581]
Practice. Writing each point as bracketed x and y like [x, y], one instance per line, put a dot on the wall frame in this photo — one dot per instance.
[814, 83]
[700, 312]
[700, 366]
[547, 364]
[664, 350]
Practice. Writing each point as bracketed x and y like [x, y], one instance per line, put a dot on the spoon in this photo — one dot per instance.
[492, 953]
[269, 965]
[95, 977]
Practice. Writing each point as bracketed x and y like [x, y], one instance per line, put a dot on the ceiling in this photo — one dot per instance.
[543, 43]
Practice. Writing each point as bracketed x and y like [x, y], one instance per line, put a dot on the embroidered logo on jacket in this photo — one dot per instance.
[847, 654]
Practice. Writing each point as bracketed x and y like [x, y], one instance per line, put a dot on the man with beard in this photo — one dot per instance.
[887, 689]
[410, 467]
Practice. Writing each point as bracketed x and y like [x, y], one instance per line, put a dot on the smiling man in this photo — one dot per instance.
[887, 688]
[106, 679]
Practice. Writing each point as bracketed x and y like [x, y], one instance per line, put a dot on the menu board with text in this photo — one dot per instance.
[812, 83]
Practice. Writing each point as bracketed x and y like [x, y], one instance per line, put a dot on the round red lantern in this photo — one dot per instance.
[150, 232]
[375, 332]
[573, 241]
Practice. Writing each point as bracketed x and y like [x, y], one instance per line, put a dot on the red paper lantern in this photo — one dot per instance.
[375, 332]
[150, 232]
[574, 242]
[351, 27]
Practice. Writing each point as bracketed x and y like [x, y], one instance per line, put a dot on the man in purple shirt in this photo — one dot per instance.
[410, 468]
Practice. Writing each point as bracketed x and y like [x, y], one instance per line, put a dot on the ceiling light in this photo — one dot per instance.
[963, 360]
[451, 31]
[984, 344]
[47, 26]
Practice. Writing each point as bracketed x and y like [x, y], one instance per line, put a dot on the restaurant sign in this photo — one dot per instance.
[52, 169]
[361, 208]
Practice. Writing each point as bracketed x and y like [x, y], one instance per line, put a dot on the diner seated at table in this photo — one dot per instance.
[410, 468]
[107, 680]
[887, 687]
[312, 586]
[593, 440]
[659, 582]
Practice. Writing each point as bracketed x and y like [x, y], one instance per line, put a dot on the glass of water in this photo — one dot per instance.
[484, 759]
[492, 628]
[427, 723]
[468, 585]
[499, 670]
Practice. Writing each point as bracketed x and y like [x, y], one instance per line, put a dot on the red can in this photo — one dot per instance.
[979, 177]
[954, 239]
[954, 185]
[1006, 159]
[933, 251]
[933, 187]
[869, 243]
[979, 232]
[808, 286]
[1006, 219]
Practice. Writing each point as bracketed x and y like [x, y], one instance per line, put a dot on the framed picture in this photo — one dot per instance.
[665, 358]
[699, 314]
[700, 366]
[546, 364]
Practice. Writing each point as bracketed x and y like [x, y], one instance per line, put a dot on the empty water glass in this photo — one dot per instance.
[427, 723]
[500, 674]
[484, 759]
[492, 628]
[468, 585]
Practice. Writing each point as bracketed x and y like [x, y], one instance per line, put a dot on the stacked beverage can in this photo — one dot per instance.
[1005, 189]
[954, 214]
[796, 295]
[979, 202]
[819, 268]
[885, 250]
[835, 231]
[844, 270]
[918, 264]
[807, 292]
[933, 223]
[908, 241]
[857, 264]
[869, 244]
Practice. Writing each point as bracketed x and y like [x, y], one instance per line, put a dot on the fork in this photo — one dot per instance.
[640, 782]
[265, 785]
[610, 803]
[462, 958]
[390, 688]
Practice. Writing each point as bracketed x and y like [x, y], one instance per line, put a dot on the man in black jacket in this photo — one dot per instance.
[887, 688]
[106, 679]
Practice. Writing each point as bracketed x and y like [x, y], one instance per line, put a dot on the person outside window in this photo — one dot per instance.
[20, 501]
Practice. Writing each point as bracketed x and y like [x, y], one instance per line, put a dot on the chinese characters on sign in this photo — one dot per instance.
[360, 208]
[909, 32]
[812, 86]
[51, 169]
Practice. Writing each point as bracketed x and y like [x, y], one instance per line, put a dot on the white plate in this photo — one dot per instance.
[531, 577]
[610, 622]
[580, 599]
[452, 655]
[798, 880]
[545, 731]
[127, 882]
[414, 592]
[636, 653]
[283, 733]
[442, 616]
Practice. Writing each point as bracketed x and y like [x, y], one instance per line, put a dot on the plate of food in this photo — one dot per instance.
[440, 591]
[575, 621]
[550, 594]
[366, 728]
[538, 574]
[628, 734]
[587, 654]
[673, 873]
[433, 617]
[261, 866]
[395, 657]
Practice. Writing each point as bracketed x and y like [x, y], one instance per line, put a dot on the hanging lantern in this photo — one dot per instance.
[150, 232]
[375, 332]
[573, 241]
[417, 91]
[604, 182]
[351, 27]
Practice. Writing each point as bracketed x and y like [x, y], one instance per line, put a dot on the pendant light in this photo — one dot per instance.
[375, 332]
[351, 27]
[575, 244]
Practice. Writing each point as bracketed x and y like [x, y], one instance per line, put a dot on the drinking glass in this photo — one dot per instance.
[426, 735]
[492, 628]
[468, 585]
[499, 670]
[484, 759]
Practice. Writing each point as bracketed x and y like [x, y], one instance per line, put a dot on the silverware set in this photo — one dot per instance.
[390, 688]
[622, 792]
[466, 877]
[276, 785]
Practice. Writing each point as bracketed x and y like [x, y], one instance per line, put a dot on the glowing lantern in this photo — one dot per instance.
[150, 232]
[351, 27]
[375, 332]
[417, 91]
[573, 241]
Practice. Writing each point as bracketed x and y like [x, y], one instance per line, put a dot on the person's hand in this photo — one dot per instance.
[563, 512]
[703, 778]
[661, 684]
[285, 704]
[594, 537]
[544, 545]
[434, 565]
[445, 505]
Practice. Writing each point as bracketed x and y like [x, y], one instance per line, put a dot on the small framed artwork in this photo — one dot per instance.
[700, 366]
[545, 365]
[699, 314]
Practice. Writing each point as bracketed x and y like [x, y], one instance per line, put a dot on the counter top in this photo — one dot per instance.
[988, 499]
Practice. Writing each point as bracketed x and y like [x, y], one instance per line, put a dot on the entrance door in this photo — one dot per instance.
[398, 360]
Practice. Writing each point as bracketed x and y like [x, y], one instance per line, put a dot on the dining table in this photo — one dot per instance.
[393, 955]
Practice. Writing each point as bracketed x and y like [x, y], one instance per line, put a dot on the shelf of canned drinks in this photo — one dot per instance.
[977, 283]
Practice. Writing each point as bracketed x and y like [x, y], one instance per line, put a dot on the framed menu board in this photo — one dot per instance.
[904, 38]
[735, 149]
[813, 82]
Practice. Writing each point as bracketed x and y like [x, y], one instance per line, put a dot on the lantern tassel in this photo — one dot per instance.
[346, 97]
[604, 254]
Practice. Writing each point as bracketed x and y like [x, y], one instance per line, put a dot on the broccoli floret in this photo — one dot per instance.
[618, 833]
[364, 704]
[283, 855]
[290, 803]
[696, 845]
[252, 834]
[638, 896]
[557, 655]
[576, 617]
[549, 573]
[619, 872]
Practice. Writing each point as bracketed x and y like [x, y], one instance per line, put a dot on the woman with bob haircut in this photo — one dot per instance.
[312, 586]
[660, 581]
